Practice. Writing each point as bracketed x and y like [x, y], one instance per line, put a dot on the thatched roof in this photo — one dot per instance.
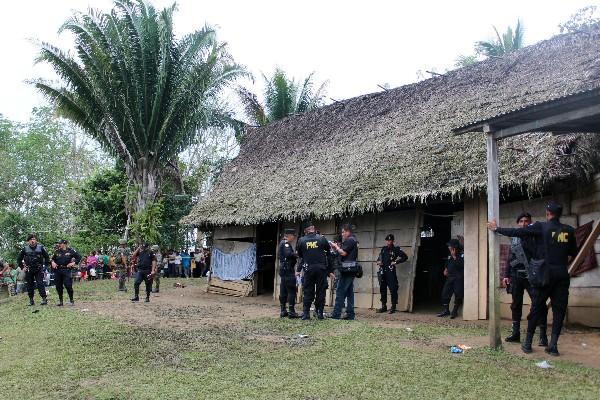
[382, 149]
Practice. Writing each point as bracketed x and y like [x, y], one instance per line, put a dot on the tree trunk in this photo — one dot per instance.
[146, 179]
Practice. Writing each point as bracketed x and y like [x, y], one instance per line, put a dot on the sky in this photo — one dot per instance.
[354, 45]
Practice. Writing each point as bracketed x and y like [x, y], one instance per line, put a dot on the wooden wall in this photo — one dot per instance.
[371, 230]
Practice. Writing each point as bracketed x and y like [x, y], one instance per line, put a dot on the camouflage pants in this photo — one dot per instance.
[157, 281]
[121, 273]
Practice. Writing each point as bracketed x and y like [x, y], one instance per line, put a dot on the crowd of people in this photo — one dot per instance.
[538, 263]
[36, 269]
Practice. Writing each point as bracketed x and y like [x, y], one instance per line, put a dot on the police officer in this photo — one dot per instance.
[313, 249]
[517, 282]
[555, 244]
[156, 250]
[287, 262]
[146, 269]
[454, 271]
[64, 260]
[122, 256]
[388, 258]
[344, 289]
[33, 257]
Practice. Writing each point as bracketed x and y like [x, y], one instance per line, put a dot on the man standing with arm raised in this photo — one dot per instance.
[555, 247]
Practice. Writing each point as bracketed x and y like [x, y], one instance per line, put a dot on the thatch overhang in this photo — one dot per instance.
[396, 146]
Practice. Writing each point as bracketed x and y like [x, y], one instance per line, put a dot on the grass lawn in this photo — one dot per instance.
[69, 354]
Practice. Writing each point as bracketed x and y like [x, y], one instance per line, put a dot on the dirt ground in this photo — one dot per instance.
[191, 308]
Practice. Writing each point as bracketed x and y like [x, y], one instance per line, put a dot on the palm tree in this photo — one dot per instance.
[510, 41]
[140, 91]
[282, 97]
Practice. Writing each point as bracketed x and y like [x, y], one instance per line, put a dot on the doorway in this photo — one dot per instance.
[432, 254]
[266, 253]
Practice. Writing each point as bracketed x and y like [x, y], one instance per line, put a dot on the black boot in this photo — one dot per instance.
[320, 314]
[282, 311]
[292, 313]
[393, 309]
[543, 337]
[515, 334]
[60, 302]
[305, 314]
[454, 312]
[136, 298]
[445, 312]
[552, 348]
[31, 302]
[147, 299]
[44, 301]
[526, 345]
[382, 309]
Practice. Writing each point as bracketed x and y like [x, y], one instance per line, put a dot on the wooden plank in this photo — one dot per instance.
[233, 232]
[413, 257]
[471, 234]
[588, 316]
[483, 258]
[388, 220]
[493, 190]
[406, 271]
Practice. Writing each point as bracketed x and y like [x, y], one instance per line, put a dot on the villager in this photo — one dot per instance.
[454, 271]
[33, 257]
[146, 269]
[122, 258]
[64, 261]
[555, 246]
[312, 249]
[516, 281]
[159, 262]
[344, 291]
[389, 256]
[287, 264]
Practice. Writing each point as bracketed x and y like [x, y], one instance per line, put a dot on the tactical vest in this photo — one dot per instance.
[34, 258]
[144, 260]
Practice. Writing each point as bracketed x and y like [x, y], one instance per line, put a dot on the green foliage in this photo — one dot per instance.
[464, 61]
[41, 167]
[503, 44]
[135, 87]
[282, 97]
[145, 225]
[253, 359]
[583, 19]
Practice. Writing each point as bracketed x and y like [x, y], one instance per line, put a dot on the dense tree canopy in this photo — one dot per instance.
[140, 91]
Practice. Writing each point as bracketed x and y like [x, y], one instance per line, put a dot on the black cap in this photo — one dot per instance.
[306, 224]
[31, 236]
[524, 215]
[555, 208]
[289, 231]
[62, 241]
[453, 243]
[389, 237]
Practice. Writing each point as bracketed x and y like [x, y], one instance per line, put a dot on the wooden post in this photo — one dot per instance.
[493, 200]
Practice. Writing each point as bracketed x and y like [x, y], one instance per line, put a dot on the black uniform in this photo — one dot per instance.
[389, 257]
[34, 258]
[62, 274]
[287, 261]
[313, 250]
[454, 281]
[555, 242]
[519, 282]
[145, 257]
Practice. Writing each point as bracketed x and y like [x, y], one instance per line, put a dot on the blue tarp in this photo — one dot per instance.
[231, 267]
